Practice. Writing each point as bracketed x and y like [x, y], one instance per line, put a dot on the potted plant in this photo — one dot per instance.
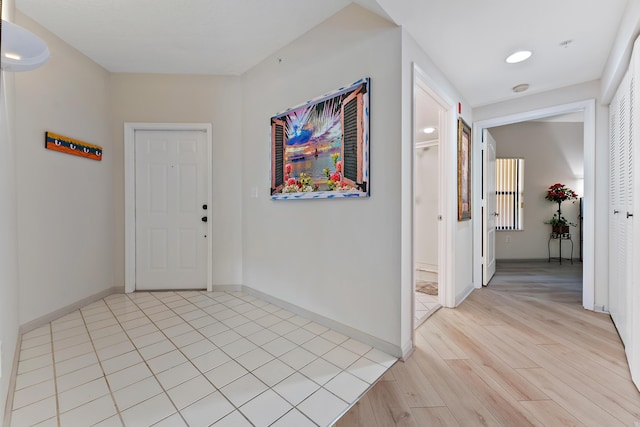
[559, 224]
[558, 193]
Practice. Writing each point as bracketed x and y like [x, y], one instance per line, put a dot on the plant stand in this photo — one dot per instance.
[560, 237]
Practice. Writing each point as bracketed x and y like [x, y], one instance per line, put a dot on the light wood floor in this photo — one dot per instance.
[520, 352]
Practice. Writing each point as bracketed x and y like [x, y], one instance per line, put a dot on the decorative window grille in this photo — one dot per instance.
[509, 194]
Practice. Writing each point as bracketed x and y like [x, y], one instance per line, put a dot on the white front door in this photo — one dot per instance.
[171, 211]
[490, 207]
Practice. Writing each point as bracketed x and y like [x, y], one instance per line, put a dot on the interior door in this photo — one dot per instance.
[490, 206]
[171, 187]
[619, 172]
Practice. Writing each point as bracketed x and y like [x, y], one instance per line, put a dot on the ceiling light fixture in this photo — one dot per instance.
[519, 56]
[520, 88]
[21, 49]
[429, 130]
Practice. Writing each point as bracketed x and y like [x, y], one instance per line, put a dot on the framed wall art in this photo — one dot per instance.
[320, 149]
[464, 171]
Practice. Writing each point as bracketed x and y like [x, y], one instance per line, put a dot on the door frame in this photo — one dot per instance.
[447, 124]
[588, 107]
[130, 195]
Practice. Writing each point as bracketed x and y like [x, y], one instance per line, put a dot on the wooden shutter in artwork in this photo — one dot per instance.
[352, 136]
[277, 155]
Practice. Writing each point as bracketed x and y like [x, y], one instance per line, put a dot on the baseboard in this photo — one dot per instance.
[407, 350]
[227, 288]
[464, 294]
[12, 383]
[381, 345]
[43, 320]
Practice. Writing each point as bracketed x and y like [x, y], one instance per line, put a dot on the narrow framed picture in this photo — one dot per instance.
[464, 171]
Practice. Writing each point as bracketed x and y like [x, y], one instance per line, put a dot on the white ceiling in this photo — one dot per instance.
[467, 39]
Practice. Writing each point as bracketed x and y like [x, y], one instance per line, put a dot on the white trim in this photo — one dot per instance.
[589, 108]
[129, 198]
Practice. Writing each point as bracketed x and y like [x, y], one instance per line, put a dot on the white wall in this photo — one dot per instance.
[552, 152]
[65, 222]
[9, 320]
[427, 208]
[160, 98]
[569, 94]
[337, 258]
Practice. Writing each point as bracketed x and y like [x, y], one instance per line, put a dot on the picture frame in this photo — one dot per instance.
[464, 171]
[320, 149]
[64, 144]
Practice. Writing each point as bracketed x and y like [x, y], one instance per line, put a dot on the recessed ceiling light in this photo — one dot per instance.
[518, 56]
[520, 88]
[429, 130]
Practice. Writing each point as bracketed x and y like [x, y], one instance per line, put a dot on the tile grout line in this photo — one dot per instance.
[320, 386]
[203, 374]
[144, 360]
[178, 349]
[104, 373]
[55, 376]
[236, 408]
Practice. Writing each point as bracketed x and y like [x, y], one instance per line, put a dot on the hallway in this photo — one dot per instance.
[520, 352]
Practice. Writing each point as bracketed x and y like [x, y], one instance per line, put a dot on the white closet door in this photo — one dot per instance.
[619, 144]
[624, 238]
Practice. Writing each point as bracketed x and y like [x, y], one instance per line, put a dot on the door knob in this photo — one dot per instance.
[629, 214]
[204, 207]
[204, 219]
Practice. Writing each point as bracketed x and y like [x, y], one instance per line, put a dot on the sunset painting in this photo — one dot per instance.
[321, 149]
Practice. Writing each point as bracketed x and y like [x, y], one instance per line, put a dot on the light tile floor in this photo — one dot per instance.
[425, 306]
[189, 359]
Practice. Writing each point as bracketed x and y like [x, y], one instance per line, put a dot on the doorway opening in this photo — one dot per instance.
[430, 128]
[572, 164]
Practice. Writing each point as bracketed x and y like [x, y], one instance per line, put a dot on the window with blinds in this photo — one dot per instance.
[509, 193]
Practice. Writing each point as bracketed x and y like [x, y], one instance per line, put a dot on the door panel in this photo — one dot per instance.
[490, 206]
[171, 185]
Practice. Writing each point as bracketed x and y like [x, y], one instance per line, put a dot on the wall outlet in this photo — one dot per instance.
[507, 238]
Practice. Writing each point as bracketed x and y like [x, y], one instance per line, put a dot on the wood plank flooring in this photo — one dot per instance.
[520, 352]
